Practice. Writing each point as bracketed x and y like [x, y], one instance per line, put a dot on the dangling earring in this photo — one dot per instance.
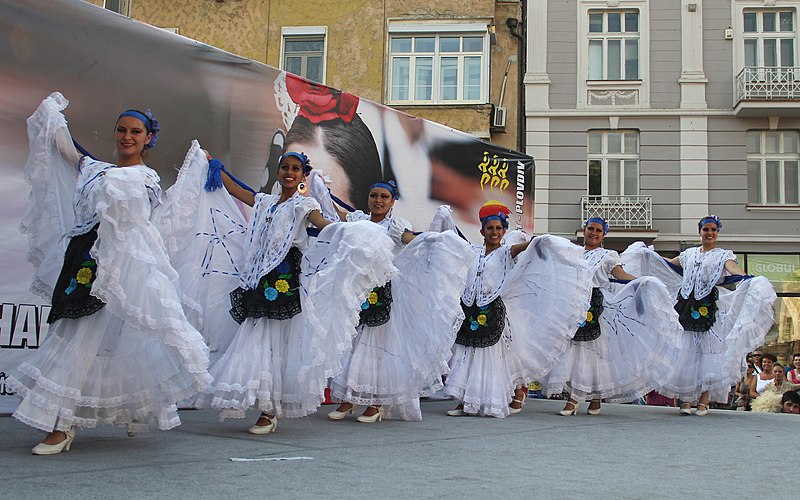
[302, 188]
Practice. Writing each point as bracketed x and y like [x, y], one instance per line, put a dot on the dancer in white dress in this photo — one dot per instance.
[408, 325]
[628, 341]
[719, 326]
[296, 301]
[120, 350]
[519, 316]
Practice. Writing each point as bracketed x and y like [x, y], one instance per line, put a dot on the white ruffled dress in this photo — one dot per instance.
[637, 345]
[545, 295]
[280, 367]
[132, 360]
[713, 360]
[395, 363]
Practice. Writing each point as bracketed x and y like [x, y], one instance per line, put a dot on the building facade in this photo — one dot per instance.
[455, 62]
[657, 113]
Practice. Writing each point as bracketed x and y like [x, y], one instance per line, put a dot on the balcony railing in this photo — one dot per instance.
[621, 212]
[767, 83]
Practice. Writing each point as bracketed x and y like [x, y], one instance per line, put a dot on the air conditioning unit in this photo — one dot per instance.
[499, 117]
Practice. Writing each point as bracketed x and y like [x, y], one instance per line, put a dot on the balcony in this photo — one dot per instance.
[627, 216]
[768, 91]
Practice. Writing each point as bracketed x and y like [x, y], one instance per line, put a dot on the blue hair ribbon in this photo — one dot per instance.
[600, 221]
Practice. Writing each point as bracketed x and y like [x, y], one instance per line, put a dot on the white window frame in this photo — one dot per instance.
[761, 35]
[124, 7]
[306, 32]
[642, 85]
[399, 30]
[780, 156]
[604, 156]
[738, 8]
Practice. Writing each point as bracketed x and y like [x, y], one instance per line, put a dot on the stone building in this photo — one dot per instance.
[655, 113]
[455, 62]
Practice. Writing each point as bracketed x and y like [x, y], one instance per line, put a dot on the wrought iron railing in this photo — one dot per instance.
[621, 212]
[767, 83]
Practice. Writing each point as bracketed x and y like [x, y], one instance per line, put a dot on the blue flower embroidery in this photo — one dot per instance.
[283, 267]
[695, 315]
[582, 324]
[73, 284]
[364, 305]
[270, 293]
[473, 325]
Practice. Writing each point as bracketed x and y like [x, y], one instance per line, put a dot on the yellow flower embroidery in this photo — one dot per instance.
[282, 286]
[481, 319]
[703, 311]
[589, 316]
[373, 298]
[84, 275]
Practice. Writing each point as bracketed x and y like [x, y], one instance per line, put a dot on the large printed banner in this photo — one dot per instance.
[243, 112]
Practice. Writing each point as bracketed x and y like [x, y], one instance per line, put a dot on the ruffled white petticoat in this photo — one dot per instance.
[714, 360]
[131, 361]
[394, 364]
[635, 352]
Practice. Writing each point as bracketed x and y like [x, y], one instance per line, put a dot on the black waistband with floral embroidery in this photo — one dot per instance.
[71, 295]
[376, 309]
[483, 325]
[277, 295]
[590, 328]
[698, 315]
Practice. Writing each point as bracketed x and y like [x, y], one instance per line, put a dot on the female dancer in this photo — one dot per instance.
[719, 326]
[519, 316]
[408, 326]
[628, 340]
[296, 303]
[120, 349]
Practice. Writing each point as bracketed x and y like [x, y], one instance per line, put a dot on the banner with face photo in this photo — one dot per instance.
[245, 113]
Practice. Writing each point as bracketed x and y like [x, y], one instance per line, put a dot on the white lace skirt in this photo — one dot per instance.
[484, 378]
[713, 361]
[99, 370]
[260, 369]
[378, 371]
[634, 354]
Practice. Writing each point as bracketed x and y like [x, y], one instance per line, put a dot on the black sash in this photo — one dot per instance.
[71, 298]
[277, 295]
[375, 310]
[590, 328]
[482, 326]
[697, 315]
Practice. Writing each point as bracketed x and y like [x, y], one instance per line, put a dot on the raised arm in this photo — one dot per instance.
[66, 148]
[518, 248]
[315, 217]
[733, 268]
[619, 273]
[237, 191]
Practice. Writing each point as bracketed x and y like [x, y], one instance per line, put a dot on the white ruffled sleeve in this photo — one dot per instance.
[50, 214]
[397, 229]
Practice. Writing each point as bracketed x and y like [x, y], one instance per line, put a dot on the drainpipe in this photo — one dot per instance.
[517, 29]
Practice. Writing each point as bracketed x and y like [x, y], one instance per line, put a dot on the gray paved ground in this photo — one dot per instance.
[626, 452]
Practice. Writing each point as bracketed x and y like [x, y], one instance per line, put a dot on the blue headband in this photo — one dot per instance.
[600, 221]
[149, 121]
[500, 217]
[709, 218]
[390, 186]
[300, 156]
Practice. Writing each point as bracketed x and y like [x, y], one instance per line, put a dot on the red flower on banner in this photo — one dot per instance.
[319, 103]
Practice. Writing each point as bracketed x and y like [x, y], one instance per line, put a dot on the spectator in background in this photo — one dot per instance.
[743, 388]
[793, 374]
[758, 355]
[760, 382]
[790, 403]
